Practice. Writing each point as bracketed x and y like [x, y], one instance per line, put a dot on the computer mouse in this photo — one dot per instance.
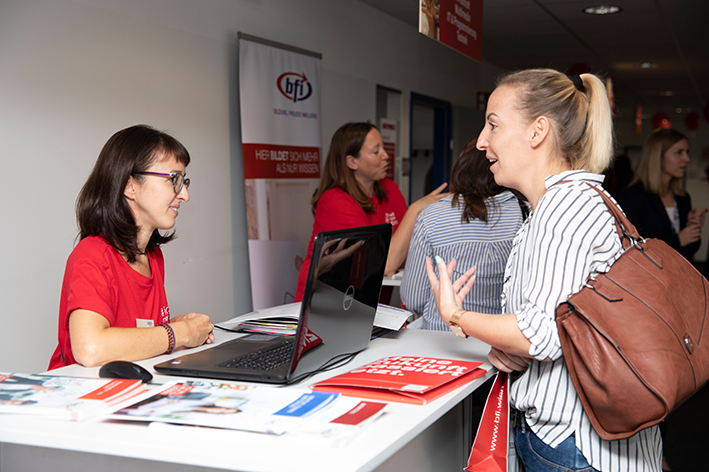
[124, 370]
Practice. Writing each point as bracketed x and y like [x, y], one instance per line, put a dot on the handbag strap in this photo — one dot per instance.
[626, 230]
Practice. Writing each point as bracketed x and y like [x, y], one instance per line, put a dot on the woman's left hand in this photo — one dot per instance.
[193, 316]
[432, 197]
[448, 295]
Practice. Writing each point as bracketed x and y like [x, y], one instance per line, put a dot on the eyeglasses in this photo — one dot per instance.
[178, 180]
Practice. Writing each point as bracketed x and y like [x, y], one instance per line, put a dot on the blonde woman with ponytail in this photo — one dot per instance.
[550, 137]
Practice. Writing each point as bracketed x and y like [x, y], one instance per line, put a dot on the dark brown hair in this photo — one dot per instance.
[101, 208]
[347, 141]
[472, 181]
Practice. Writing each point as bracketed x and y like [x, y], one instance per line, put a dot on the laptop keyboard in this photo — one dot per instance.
[262, 360]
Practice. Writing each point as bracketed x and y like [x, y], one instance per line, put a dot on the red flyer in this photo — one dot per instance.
[416, 380]
[359, 414]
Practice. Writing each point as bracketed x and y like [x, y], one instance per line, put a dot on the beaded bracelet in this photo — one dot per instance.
[170, 338]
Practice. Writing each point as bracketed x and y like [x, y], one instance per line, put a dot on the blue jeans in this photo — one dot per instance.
[537, 456]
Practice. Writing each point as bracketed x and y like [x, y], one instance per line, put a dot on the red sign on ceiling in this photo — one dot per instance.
[455, 23]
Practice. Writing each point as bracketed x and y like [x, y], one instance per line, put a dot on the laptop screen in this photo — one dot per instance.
[341, 296]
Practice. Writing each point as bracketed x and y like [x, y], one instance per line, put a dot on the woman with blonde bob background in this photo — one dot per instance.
[548, 136]
[655, 201]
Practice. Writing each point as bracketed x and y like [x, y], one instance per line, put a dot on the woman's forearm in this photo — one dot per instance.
[127, 344]
[499, 331]
[94, 342]
[400, 240]
[402, 236]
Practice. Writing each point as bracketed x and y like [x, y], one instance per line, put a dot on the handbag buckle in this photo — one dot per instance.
[689, 343]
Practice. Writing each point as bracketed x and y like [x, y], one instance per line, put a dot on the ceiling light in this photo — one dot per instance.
[648, 65]
[666, 93]
[602, 10]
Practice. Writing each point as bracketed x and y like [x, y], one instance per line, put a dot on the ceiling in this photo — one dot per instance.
[671, 35]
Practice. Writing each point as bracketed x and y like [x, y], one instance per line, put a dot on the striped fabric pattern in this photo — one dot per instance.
[570, 235]
[439, 231]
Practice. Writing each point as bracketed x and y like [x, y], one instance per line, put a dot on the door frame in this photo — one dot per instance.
[441, 136]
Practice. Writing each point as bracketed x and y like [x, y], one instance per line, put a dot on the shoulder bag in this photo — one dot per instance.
[633, 338]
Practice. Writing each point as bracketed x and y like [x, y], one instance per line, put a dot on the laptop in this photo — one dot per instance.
[335, 321]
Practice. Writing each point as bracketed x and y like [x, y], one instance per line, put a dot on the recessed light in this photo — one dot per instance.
[648, 65]
[602, 10]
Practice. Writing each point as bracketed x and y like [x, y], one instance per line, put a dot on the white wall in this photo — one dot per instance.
[74, 72]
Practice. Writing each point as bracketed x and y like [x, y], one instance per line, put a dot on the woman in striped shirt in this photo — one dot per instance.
[476, 226]
[548, 136]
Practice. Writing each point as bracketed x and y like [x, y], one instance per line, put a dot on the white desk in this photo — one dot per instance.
[407, 437]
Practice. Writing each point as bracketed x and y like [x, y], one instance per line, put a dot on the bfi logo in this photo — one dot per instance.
[295, 87]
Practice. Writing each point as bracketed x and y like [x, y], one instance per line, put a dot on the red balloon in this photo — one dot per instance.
[661, 120]
[691, 121]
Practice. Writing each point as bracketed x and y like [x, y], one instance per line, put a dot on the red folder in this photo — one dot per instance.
[415, 380]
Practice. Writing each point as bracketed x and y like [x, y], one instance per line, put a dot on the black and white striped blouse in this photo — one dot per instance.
[569, 236]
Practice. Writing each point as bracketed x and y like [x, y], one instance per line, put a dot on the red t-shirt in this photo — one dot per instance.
[338, 210]
[97, 278]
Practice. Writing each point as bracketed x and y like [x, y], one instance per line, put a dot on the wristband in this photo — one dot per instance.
[170, 338]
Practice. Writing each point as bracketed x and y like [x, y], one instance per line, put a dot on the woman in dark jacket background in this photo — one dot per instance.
[655, 201]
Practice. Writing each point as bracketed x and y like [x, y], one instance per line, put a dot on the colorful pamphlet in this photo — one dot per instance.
[231, 406]
[416, 380]
[279, 326]
[276, 320]
[68, 398]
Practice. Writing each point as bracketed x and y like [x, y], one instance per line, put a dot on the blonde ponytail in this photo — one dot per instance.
[582, 122]
[597, 141]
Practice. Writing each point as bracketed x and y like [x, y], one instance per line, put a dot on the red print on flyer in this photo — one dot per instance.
[416, 380]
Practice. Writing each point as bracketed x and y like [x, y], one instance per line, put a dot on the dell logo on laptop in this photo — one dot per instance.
[349, 298]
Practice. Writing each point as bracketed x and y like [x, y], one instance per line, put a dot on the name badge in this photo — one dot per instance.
[141, 323]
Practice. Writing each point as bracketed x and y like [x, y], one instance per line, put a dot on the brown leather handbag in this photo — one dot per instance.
[633, 338]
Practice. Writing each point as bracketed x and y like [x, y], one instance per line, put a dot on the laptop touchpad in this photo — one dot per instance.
[255, 338]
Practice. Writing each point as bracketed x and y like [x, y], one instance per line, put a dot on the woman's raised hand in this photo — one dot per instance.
[448, 295]
[696, 217]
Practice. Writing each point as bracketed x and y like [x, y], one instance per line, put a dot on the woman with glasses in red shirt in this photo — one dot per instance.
[113, 304]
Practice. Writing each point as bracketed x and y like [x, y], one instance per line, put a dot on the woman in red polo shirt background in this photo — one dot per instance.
[354, 192]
